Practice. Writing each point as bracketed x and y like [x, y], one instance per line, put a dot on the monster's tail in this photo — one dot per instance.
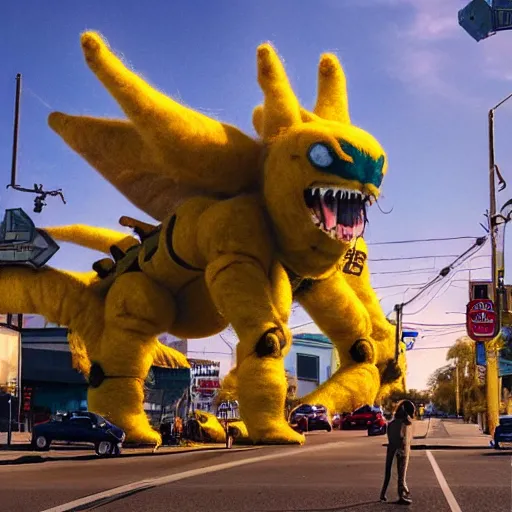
[98, 239]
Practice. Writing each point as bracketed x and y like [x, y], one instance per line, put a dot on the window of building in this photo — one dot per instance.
[308, 367]
[480, 291]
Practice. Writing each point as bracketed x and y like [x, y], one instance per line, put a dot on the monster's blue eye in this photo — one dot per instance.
[320, 155]
[363, 168]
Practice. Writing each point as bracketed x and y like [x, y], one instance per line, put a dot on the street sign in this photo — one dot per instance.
[409, 338]
[481, 319]
[22, 243]
[483, 18]
[481, 359]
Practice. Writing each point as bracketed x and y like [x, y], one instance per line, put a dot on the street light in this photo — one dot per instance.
[492, 374]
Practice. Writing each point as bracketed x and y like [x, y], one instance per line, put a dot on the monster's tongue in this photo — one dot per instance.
[329, 208]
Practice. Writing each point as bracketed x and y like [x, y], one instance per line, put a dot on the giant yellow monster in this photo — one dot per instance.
[244, 227]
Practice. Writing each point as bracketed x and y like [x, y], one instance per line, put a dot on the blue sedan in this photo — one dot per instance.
[80, 427]
[503, 432]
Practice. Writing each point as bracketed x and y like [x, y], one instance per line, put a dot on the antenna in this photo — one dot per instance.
[38, 189]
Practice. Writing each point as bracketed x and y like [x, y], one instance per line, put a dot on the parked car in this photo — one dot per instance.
[311, 417]
[503, 432]
[79, 427]
[379, 426]
[337, 420]
[361, 418]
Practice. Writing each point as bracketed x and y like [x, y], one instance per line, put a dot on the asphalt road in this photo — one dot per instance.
[335, 471]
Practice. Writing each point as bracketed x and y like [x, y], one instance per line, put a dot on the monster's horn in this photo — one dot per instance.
[257, 119]
[332, 99]
[176, 133]
[281, 107]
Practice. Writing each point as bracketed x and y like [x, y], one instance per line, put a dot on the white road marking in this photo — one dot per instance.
[450, 498]
[155, 482]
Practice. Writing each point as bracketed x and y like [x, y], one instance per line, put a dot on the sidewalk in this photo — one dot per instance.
[20, 451]
[437, 434]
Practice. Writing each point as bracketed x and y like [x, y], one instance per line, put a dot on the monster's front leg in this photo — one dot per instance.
[136, 310]
[339, 313]
[241, 290]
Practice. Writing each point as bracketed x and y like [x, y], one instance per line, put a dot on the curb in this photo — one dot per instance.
[449, 447]
[36, 459]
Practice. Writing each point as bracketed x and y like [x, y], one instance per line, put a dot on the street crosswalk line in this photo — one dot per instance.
[126, 490]
[450, 498]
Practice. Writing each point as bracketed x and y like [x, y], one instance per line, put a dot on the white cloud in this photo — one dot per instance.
[425, 51]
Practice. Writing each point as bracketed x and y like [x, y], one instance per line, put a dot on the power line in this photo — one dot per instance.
[421, 271]
[430, 348]
[477, 246]
[423, 240]
[403, 258]
[415, 285]
[459, 324]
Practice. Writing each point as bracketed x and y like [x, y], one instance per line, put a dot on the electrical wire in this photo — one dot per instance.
[414, 285]
[403, 258]
[421, 271]
[477, 246]
[421, 240]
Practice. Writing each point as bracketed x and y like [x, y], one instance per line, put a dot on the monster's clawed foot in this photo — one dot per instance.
[119, 400]
[143, 434]
[349, 388]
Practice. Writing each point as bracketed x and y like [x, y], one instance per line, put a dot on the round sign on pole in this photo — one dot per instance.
[481, 319]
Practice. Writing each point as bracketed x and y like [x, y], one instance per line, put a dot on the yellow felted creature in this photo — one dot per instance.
[245, 226]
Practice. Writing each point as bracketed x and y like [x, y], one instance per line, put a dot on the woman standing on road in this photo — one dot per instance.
[399, 444]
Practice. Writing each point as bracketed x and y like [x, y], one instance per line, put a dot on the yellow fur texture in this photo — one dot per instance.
[245, 226]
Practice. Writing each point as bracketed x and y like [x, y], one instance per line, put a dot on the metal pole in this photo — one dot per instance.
[20, 368]
[492, 391]
[9, 426]
[457, 386]
[398, 332]
[16, 129]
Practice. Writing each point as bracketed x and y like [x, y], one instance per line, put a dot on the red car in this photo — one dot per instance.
[310, 417]
[361, 418]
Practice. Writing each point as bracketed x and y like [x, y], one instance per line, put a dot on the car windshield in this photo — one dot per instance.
[363, 410]
[100, 421]
[304, 409]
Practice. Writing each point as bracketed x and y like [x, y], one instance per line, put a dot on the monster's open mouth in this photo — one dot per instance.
[341, 213]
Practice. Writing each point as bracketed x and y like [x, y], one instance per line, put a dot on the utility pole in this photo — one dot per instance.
[492, 374]
[457, 387]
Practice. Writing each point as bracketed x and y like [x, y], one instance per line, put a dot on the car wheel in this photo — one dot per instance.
[104, 448]
[42, 443]
[329, 428]
[497, 445]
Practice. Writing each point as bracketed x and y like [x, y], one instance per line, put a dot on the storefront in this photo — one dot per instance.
[50, 383]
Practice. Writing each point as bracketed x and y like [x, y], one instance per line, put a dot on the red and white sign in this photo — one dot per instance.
[208, 384]
[481, 319]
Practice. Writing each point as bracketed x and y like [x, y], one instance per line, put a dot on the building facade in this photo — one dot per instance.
[310, 361]
[50, 384]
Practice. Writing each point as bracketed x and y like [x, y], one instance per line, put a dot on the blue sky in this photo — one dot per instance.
[417, 81]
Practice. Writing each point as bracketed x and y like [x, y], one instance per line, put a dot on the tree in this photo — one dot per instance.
[414, 395]
[443, 382]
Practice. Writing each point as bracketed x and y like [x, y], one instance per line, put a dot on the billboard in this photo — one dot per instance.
[9, 360]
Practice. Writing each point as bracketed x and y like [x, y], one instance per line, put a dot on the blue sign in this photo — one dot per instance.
[482, 18]
[481, 359]
[409, 338]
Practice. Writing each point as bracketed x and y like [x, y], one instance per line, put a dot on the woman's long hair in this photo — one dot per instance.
[405, 411]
